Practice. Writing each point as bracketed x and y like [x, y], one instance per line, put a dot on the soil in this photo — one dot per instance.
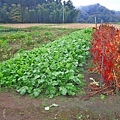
[16, 107]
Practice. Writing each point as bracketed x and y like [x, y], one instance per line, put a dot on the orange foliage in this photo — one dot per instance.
[105, 51]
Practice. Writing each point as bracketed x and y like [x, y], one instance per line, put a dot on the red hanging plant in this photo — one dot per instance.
[105, 51]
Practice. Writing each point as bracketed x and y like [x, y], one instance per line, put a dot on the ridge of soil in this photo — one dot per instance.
[16, 107]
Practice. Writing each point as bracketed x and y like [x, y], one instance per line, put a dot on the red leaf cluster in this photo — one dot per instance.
[105, 51]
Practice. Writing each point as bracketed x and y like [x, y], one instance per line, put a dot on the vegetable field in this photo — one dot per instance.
[53, 69]
[46, 71]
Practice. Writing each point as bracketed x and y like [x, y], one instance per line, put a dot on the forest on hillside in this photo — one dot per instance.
[37, 11]
[88, 13]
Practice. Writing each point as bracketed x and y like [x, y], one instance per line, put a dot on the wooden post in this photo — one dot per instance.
[95, 22]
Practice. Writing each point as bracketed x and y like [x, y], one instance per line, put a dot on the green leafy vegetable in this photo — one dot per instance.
[53, 69]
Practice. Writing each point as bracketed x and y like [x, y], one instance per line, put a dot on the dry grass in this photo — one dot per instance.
[70, 25]
[74, 25]
[22, 25]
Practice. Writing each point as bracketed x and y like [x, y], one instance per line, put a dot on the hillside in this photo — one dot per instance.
[87, 14]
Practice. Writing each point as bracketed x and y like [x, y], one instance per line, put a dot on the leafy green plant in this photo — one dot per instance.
[52, 69]
[102, 97]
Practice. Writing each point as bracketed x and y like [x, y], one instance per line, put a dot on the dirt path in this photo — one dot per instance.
[15, 107]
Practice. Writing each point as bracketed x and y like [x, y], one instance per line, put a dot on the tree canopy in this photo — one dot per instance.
[37, 11]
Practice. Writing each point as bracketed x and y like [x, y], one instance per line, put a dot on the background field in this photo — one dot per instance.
[73, 25]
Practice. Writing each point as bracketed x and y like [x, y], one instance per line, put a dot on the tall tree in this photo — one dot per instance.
[70, 4]
[33, 16]
[15, 14]
[4, 14]
[39, 13]
[26, 17]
